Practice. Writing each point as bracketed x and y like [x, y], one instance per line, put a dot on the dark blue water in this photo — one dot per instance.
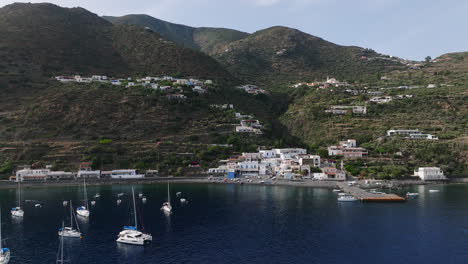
[245, 224]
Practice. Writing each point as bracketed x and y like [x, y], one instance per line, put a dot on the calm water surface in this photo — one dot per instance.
[244, 224]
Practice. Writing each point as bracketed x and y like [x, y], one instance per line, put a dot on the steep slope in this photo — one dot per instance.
[281, 54]
[44, 39]
[205, 39]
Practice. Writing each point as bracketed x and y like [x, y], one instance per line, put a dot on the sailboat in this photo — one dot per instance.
[130, 234]
[167, 208]
[69, 231]
[4, 252]
[83, 210]
[60, 251]
[17, 211]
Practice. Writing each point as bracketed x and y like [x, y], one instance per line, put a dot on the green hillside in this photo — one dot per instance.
[205, 39]
[44, 39]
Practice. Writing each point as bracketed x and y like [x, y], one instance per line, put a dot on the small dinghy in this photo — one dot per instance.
[65, 203]
[183, 201]
[93, 202]
[140, 195]
[178, 194]
[434, 191]
[412, 194]
[119, 202]
[38, 205]
[143, 199]
[120, 194]
[97, 195]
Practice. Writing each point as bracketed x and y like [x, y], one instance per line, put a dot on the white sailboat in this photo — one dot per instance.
[130, 234]
[60, 254]
[4, 252]
[69, 231]
[167, 208]
[83, 210]
[17, 211]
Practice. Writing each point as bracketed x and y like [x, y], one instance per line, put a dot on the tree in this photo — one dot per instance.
[428, 59]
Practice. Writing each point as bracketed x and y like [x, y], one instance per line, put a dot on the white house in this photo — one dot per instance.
[126, 174]
[32, 174]
[429, 173]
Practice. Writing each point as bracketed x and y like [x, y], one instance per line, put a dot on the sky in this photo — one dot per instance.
[410, 29]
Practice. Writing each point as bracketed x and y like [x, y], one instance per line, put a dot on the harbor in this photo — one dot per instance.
[369, 196]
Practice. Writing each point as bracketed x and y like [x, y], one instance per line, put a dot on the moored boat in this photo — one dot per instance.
[4, 252]
[347, 198]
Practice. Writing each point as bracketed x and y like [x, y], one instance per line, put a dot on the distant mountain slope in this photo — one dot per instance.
[205, 39]
[44, 39]
[280, 54]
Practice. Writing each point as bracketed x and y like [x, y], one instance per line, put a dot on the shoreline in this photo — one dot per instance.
[204, 180]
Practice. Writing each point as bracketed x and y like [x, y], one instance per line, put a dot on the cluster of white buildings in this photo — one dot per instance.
[347, 149]
[330, 82]
[410, 134]
[251, 89]
[157, 83]
[388, 99]
[344, 109]
[250, 126]
[286, 163]
[85, 172]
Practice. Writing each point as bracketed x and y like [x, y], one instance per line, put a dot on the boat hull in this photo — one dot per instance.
[71, 234]
[5, 257]
[83, 213]
[17, 213]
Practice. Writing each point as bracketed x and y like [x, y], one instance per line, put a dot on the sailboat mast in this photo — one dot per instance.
[61, 245]
[71, 215]
[86, 195]
[1, 230]
[134, 208]
[19, 194]
[168, 195]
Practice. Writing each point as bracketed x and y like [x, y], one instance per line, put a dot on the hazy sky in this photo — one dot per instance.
[410, 29]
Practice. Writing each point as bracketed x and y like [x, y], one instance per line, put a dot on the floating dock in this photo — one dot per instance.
[366, 196]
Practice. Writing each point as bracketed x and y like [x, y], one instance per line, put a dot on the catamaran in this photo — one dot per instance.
[167, 208]
[69, 231]
[4, 252]
[60, 250]
[83, 210]
[130, 234]
[17, 211]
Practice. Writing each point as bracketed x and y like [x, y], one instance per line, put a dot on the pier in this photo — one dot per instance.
[366, 196]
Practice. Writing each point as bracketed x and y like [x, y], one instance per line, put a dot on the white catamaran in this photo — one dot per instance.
[130, 234]
[167, 208]
[17, 211]
[4, 252]
[83, 210]
[69, 231]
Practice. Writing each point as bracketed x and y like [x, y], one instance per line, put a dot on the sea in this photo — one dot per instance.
[232, 223]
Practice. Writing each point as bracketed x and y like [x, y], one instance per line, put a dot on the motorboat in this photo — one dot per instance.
[93, 202]
[68, 231]
[38, 205]
[131, 234]
[434, 191]
[183, 200]
[342, 194]
[4, 252]
[119, 202]
[347, 198]
[412, 194]
[98, 195]
[120, 194]
[140, 195]
[167, 208]
[178, 194]
[65, 203]
[83, 210]
[143, 199]
[337, 190]
[17, 211]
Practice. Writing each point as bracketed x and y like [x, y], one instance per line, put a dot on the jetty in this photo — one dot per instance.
[366, 196]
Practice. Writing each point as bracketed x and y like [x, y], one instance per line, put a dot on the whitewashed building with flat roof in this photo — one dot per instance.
[430, 173]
